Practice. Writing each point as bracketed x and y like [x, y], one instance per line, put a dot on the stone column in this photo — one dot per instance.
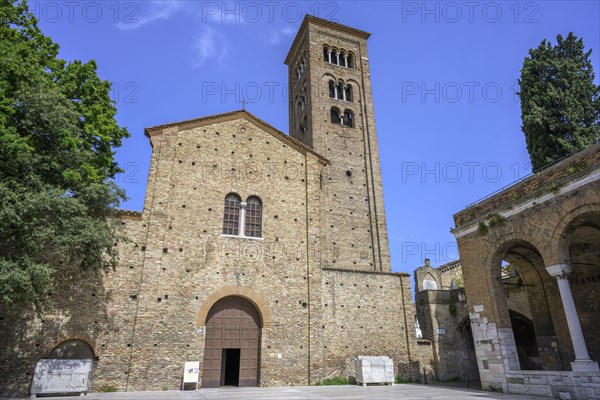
[242, 224]
[582, 359]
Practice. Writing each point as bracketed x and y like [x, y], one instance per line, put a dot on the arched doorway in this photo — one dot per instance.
[469, 360]
[231, 350]
[525, 340]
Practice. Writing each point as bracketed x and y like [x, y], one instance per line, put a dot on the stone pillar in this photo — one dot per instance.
[582, 359]
[242, 224]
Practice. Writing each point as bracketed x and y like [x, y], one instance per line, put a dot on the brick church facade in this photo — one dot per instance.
[262, 255]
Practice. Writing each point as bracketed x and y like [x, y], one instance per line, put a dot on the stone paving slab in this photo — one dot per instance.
[347, 392]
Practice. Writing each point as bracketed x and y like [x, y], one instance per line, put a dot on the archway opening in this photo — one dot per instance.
[582, 242]
[525, 339]
[527, 310]
[232, 347]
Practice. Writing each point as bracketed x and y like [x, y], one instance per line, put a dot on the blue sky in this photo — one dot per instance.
[444, 78]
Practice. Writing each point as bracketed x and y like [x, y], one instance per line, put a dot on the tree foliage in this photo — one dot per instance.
[57, 135]
[560, 104]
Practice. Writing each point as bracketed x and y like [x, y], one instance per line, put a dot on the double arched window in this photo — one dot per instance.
[340, 91]
[301, 67]
[345, 119]
[340, 57]
[242, 219]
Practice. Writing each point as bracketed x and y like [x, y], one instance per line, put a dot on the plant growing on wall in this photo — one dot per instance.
[452, 309]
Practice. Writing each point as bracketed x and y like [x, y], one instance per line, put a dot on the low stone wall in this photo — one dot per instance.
[558, 384]
[551, 178]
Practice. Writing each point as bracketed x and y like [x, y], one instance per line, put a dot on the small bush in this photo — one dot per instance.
[338, 380]
[482, 228]
[575, 168]
[452, 309]
[400, 379]
[109, 389]
[495, 219]
[554, 189]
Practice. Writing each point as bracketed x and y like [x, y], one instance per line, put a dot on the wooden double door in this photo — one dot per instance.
[231, 350]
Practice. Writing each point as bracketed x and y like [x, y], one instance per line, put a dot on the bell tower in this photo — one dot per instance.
[331, 111]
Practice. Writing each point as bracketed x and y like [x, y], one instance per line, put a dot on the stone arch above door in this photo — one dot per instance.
[239, 291]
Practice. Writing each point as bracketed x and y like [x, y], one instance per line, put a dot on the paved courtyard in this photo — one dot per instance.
[403, 391]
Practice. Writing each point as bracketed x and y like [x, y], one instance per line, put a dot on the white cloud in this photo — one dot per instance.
[148, 12]
[211, 44]
[279, 35]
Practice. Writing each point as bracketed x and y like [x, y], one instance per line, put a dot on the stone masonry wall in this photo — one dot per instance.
[442, 317]
[368, 313]
[195, 170]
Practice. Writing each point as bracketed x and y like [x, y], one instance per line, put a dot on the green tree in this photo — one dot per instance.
[560, 104]
[57, 135]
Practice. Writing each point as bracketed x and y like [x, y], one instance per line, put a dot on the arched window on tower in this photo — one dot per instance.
[335, 115]
[429, 283]
[350, 60]
[348, 93]
[253, 217]
[342, 58]
[340, 91]
[332, 90]
[326, 54]
[348, 118]
[231, 215]
[335, 57]
[301, 67]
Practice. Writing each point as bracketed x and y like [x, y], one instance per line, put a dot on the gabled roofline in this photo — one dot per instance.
[233, 115]
[326, 24]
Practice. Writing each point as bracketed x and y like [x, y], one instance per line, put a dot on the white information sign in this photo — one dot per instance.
[191, 371]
